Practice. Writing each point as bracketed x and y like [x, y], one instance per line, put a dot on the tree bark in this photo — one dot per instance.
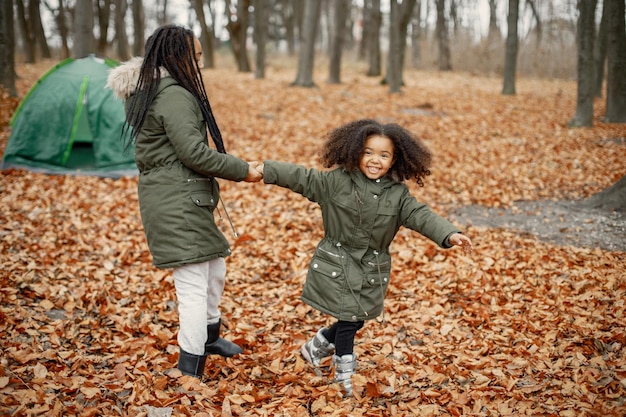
[616, 52]
[27, 35]
[139, 28]
[7, 47]
[123, 49]
[237, 29]
[206, 34]
[394, 73]
[613, 198]
[373, 20]
[306, 53]
[37, 27]
[445, 63]
[599, 54]
[83, 29]
[510, 57]
[103, 16]
[340, 15]
[260, 36]
[416, 36]
[585, 37]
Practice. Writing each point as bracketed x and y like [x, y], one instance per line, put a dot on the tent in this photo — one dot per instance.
[69, 123]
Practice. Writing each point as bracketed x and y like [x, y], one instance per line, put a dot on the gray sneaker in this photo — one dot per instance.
[345, 366]
[317, 349]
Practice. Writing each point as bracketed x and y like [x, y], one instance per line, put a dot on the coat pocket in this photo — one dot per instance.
[203, 199]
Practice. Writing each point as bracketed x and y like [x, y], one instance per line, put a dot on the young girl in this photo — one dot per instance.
[364, 202]
[168, 113]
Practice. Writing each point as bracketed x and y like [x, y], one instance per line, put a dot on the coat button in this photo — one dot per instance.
[338, 244]
[372, 280]
[333, 273]
[353, 317]
[197, 201]
[314, 265]
[375, 197]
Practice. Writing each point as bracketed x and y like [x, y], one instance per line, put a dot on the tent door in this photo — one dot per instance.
[79, 151]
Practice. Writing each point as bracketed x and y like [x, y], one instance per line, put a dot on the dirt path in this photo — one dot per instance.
[559, 222]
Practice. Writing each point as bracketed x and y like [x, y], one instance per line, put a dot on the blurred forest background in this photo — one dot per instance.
[463, 35]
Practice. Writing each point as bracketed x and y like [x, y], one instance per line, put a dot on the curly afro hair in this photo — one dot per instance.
[345, 144]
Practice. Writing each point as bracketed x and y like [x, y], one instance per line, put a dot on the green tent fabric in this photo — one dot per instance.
[69, 123]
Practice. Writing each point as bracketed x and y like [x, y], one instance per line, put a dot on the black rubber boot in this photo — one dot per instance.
[215, 345]
[190, 364]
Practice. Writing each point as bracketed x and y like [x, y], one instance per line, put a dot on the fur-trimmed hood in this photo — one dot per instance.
[122, 80]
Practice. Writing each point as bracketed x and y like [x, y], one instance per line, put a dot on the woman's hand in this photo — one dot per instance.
[254, 175]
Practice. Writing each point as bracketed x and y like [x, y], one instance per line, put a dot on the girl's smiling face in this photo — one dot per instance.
[378, 157]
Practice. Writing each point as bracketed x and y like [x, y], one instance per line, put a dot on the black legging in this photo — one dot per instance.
[342, 334]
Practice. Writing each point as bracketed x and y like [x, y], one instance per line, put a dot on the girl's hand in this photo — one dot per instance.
[463, 241]
[260, 168]
[253, 173]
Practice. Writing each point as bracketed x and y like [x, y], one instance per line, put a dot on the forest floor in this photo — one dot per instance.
[530, 323]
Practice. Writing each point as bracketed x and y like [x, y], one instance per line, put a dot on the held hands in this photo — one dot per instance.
[463, 241]
[254, 175]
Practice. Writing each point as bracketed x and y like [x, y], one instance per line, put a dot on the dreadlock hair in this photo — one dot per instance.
[345, 145]
[170, 47]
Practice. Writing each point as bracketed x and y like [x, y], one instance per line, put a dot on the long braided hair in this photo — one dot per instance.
[172, 48]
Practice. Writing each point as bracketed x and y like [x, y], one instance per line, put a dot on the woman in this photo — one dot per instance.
[168, 115]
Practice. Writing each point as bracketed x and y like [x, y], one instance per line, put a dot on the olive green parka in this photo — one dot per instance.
[349, 272]
[177, 187]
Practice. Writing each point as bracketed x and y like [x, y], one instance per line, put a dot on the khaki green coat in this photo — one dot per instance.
[348, 274]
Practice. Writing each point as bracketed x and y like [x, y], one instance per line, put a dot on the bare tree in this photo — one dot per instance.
[260, 36]
[103, 16]
[616, 52]
[372, 20]
[306, 53]
[61, 24]
[510, 57]
[7, 47]
[394, 73]
[338, 32]
[416, 35]
[83, 29]
[585, 35]
[445, 61]
[599, 54]
[123, 49]
[139, 27]
[238, 31]
[207, 33]
[27, 34]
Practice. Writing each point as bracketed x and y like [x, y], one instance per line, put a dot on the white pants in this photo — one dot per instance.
[199, 288]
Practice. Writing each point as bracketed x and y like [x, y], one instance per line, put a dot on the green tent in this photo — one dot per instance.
[69, 123]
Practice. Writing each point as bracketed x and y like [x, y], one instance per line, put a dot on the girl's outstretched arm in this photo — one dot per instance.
[457, 239]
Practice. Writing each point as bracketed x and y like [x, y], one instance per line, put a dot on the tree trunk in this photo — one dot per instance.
[103, 16]
[373, 18]
[206, 34]
[27, 35]
[260, 36]
[7, 47]
[445, 63]
[394, 73]
[83, 29]
[613, 198]
[59, 20]
[585, 35]
[237, 29]
[510, 57]
[123, 50]
[416, 36]
[306, 53]
[406, 12]
[616, 52]
[37, 27]
[599, 54]
[340, 17]
[139, 28]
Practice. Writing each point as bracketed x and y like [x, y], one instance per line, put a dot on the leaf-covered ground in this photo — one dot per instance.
[518, 327]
